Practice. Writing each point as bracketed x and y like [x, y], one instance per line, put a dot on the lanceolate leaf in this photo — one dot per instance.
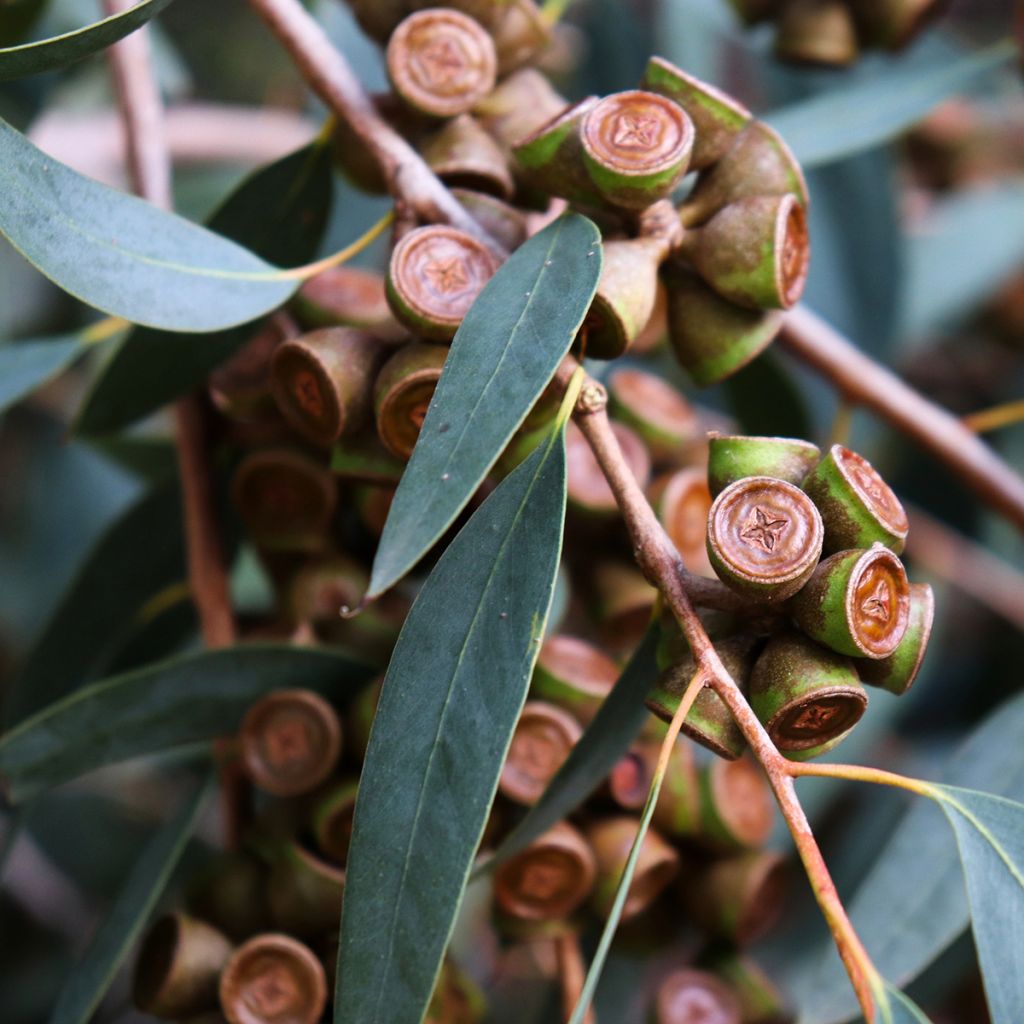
[899, 1009]
[27, 365]
[605, 740]
[172, 704]
[279, 213]
[60, 51]
[452, 694]
[990, 833]
[88, 982]
[841, 122]
[125, 256]
[140, 554]
[502, 358]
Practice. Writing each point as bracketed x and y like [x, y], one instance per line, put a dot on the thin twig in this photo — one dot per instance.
[863, 381]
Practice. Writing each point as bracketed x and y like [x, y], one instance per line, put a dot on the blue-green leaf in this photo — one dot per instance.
[503, 356]
[60, 51]
[896, 1008]
[169, 705]
[27, 365]
[125, 256]
[89, 980]
[451, 697]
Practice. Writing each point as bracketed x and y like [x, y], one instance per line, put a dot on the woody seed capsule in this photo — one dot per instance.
[690, 996]
[897, 672]
[347, 297]
[402, 394]
[462, 154]
[817, 32]
[543, 738]
[574, 675]
[653, 408]
[683, 501]
[732, 457]
[332, 821]
[304, 892]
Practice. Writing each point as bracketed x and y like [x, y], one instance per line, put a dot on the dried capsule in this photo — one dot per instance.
[712, 337]
[738, 898]
[291, 741]
[574, 675]
[732, 457]
[758, 163]
[549, 880]
[304, 892]
[658, 863]
[717, 118]
[857, 506]
[322, 382]
[506, 224]
[636, 147]
[240, 387]
[231, 894]
[856, 602]
[178, 967]
[331, 821]
[764, 537]
[542, 740]
[677, 812]
[892, 24]
[273, 978]
[521, 33]
[691, 996]
[519, 105]
[403, 392]
[441, 62]
[435, 274]
[753, 251]
[737, 810]
[462, 153]
[897, 672]
[806, 696]
[817, 32]
[286, 500]
[623, 602]
[625, 297]
[654, 409]
[630, 779]
[759, 998]
[347, 297]
[588, 490]
[683, 502]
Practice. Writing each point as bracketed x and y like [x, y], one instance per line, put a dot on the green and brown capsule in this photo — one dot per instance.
[462, 154]
[856, 602]
[630, 779]
[520, 35]
[518, 106]
[897, 672]
[436, 273]
[677, 812]
[733, 457]
[857, 506]
[623, 603]
[764, 537]
[290, 741]
[331, 821]
[543, 738]
[549, 880]
[273, 977]
[754, 251]
[817, 32]
[240, 387]
[737, 810]
[760, 1000]
[691, 996]
[574, 675]
[892, 24]
[636, 147]
[807, 697]
[285, 499]
[402, 394]
[456, 999]
[654, 409]
[347, 297]
[178, 967]
[505, 223]
[711, 337]
[682, 500]
[441, 62]
[588, 490]
[304, 891]
[658, 863]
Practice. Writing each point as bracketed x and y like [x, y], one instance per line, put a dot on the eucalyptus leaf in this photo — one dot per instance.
[503, 356]
[177, 703]
[88, 981]
[123, 255]
[614, 728]
[848, 120]
[899, 1009]
[453, 692]
[60, 51]
[139, 554]
[27, 365]
[990, 833]
[279, 212]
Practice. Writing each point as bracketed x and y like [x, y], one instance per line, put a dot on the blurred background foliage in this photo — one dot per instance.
[918, 254]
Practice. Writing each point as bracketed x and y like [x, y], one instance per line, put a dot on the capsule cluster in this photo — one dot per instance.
[835, 32]
[812, 541]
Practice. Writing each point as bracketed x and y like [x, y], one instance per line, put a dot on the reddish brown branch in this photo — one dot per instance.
[864, 382]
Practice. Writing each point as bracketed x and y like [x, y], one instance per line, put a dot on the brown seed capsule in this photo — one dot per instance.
[690, 996]
[520, 35]
[305, 893]
[403, 392]
[543, 739]
[623, 604]
[636, 147]
[897, 672]
[462, 153]
[519, 105]
[549, 880]
[817, 32]
[736, 805]
[658, 863]
[630, 780]
[347, 297]
[436, 273]
[574, 675]
[291, 741]
[760, 1000]
[764, 537]
[441, 62]
[656, 410]
[285, 499]
[273, 979]
[178, 967]
[894, 23]
[588, 490]
[683, 504]
[332, 821]
[505, 223]
[323, 381]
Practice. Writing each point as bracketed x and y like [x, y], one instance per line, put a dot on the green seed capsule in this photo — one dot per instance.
[574, 675]
[857, 506]
[736, 806]
[712, 337]
[856, 602]
[760, 1000]
[897, 672]
[682, 501]
[654, 409]
[732, 457]
[817, 32]
[807, 697]
[463, 154]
